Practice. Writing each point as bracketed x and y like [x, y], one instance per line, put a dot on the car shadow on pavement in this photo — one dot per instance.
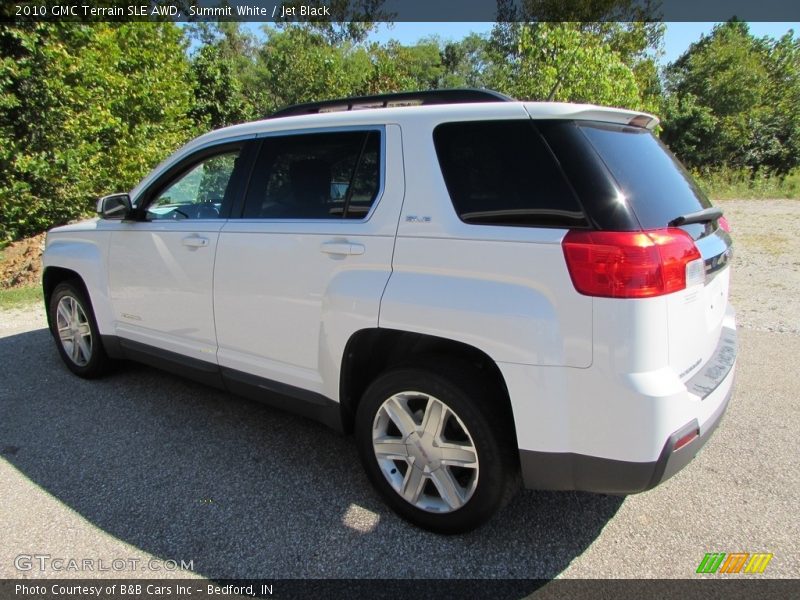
[189, 473]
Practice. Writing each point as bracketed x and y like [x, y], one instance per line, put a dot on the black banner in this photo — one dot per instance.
[729, 588]
[276, 11]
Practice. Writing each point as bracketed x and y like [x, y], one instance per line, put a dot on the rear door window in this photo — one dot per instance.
[503, 173]
[315, 176]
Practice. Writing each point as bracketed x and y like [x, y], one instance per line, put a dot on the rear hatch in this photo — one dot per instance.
[628, 180]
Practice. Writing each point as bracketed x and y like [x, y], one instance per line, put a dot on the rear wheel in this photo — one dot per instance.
[433, 448]
[75, 331]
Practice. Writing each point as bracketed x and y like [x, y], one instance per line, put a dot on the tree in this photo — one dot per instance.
[224, 74]
[465, 62]
[85, 110]
[297, 64]
[732, 100]
[601, 51]
[397, 68]
[562, 62]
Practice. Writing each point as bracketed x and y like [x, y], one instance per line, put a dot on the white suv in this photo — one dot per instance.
[480, 289]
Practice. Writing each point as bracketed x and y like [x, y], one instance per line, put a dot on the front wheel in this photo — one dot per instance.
[75, 331]
[433, 445]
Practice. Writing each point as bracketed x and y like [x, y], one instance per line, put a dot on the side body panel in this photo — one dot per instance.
[503, 290]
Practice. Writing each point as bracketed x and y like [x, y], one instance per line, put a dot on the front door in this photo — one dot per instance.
[161, 266]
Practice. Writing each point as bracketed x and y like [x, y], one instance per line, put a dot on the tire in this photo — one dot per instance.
[435, 446]
[74, 329]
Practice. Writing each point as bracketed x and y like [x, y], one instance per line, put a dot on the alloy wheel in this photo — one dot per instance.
[425, 452]
[74, 331]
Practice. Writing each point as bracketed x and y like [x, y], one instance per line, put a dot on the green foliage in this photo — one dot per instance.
[217, 90]
[298, 64]
[86, 110]
[553, 61]
[397, 68]
[223, 68]
[732, 102]
[601, 63]
[465, 62]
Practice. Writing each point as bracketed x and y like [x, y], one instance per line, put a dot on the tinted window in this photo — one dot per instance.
[315, 176]
[503, 173]
[197, 193]
[655, 184]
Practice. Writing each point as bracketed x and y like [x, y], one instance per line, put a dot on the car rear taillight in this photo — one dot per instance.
[724, 225]
[632, 264]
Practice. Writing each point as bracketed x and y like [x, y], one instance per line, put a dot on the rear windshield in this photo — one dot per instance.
[654, 183]
[503, 173]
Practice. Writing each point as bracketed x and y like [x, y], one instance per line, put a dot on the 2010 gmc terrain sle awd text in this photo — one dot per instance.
[481, 290]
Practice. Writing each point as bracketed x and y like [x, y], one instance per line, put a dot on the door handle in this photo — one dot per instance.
[342, 248]
[195, 241]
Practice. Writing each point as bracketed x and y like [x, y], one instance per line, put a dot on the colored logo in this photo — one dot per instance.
[737, 562]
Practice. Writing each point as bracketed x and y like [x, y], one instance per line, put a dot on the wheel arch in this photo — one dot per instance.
[52, 277]
[80, 256]
[369, 352]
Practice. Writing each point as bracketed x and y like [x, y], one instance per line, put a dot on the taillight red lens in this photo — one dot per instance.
[724, 225]
[629, 264]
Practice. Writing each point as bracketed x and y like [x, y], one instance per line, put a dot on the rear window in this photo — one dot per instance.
[503, 173]
[655, 184]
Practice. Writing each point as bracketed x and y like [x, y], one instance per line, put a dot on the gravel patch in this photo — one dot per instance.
[765, 287]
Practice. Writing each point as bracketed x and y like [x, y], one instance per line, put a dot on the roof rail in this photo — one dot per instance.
[448, 96]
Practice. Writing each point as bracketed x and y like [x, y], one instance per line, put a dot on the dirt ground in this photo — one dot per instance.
[766, 268]
[21, 262]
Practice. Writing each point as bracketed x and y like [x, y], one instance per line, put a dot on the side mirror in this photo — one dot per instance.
[115, 206]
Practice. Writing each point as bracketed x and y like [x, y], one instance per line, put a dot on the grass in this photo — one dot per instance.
[20, 297]
[729, 184]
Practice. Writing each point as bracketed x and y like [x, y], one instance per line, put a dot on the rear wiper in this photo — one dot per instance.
[701, 216]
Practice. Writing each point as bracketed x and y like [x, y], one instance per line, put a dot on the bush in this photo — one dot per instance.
[85, 110]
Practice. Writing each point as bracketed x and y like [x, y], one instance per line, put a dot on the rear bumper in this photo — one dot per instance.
[567, 471]
[666, 419]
